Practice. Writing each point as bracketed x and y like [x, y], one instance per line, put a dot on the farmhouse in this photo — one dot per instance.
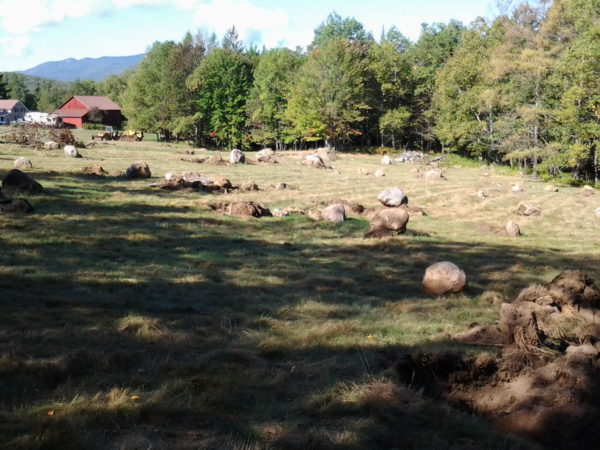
[81, 109]
[12, 111]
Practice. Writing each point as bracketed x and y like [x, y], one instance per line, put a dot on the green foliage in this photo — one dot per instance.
[267, 102]
[327, 98]
[221, 85]
[393, 123]
[335, 27]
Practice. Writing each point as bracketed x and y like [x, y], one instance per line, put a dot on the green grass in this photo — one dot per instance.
[136, 318]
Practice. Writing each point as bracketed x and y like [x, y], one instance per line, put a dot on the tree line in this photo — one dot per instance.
[522, 88]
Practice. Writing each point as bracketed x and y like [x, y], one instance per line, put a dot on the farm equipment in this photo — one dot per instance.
[132, 135]
[107, 135]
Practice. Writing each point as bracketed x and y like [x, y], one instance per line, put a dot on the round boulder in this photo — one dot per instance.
[444, 278]
[512, 228]
[393, 219]
[71, 151]
[334, 213]
[392, 197]
[236, 156]
[23, 163]
[138, 170]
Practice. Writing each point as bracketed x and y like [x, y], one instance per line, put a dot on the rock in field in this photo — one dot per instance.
[17, 182]
[138, 170]
[433, 174]
[70, 151]
[517, 188]
[334, 213]
[512, 228]
[23, 163]
[16, 206]
[379, 173]
[597, 212]
[392, 197]
[94, 170]
[265, 155]
[551, 188]
[386, 160]
[444, 278]
[481, 194]
[247, 209]
[249, 186]
[327, 154]
[51, 145]
[314, 161]
[236, 156]
[528, 210]
[388, 222]
[587, 190]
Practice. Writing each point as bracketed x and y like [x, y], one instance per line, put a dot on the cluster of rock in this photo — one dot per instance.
[409, 156]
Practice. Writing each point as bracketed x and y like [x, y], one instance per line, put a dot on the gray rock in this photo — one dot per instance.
[433, 174]
[380, 173]
[386, 160]
[334, 213]
[265, 155]
[236, 156]
[314, 161]
[444, 278]
[512, 228]
[71, 151]
[392, 197]
[23, 163]
[51, 145]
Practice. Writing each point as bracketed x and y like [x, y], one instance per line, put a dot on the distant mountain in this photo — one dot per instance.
[84, 69]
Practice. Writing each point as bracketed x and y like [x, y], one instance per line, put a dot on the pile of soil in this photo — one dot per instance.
[545, 384]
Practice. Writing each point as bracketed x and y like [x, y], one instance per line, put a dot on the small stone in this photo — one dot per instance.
[386, 160]
[23, 163]
[380, 173]
[588, 190]
[281, 186]
[433, 174]
[517, 188]
[512, 228]
[597, 212]
[481, 194]
[249, 186]
[51, 145]
[551, 188]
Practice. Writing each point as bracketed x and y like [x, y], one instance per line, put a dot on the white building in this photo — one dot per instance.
[12, 111]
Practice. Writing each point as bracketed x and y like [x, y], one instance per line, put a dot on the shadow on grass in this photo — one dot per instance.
[144, 325]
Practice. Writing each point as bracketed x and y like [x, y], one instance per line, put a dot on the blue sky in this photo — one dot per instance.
[36, 31]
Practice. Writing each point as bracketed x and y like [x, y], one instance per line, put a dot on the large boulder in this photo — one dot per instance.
[17, 182]
[71, 151]
[236, 156]
[392, 197]
[265, 155]
[16, 206]
[23, 163]
[444, 278]
[314, 161]
[51, 145]
[138, 170]
[334, 213]
[392, 220]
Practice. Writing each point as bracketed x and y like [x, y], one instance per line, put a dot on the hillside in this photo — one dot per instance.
[84, 69]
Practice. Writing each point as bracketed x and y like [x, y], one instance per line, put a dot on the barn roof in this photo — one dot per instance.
[93, 101]
[71, 112]
[97, 101]
[8, 104]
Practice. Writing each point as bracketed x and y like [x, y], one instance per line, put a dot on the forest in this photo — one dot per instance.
[521, 88]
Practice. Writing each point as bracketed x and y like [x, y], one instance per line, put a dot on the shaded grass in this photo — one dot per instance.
[140, 319]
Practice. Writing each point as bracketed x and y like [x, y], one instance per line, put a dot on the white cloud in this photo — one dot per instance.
[15, 47]
[20, 17]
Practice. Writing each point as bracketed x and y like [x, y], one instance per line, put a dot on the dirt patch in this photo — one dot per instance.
[545, 384]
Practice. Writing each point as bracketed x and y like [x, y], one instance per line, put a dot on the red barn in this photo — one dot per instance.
[82, 109]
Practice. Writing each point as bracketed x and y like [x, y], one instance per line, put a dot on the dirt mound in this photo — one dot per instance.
[240, 209]
[545, 384]
[97, 171]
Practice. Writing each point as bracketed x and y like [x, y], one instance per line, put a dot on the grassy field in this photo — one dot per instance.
[137, 318]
